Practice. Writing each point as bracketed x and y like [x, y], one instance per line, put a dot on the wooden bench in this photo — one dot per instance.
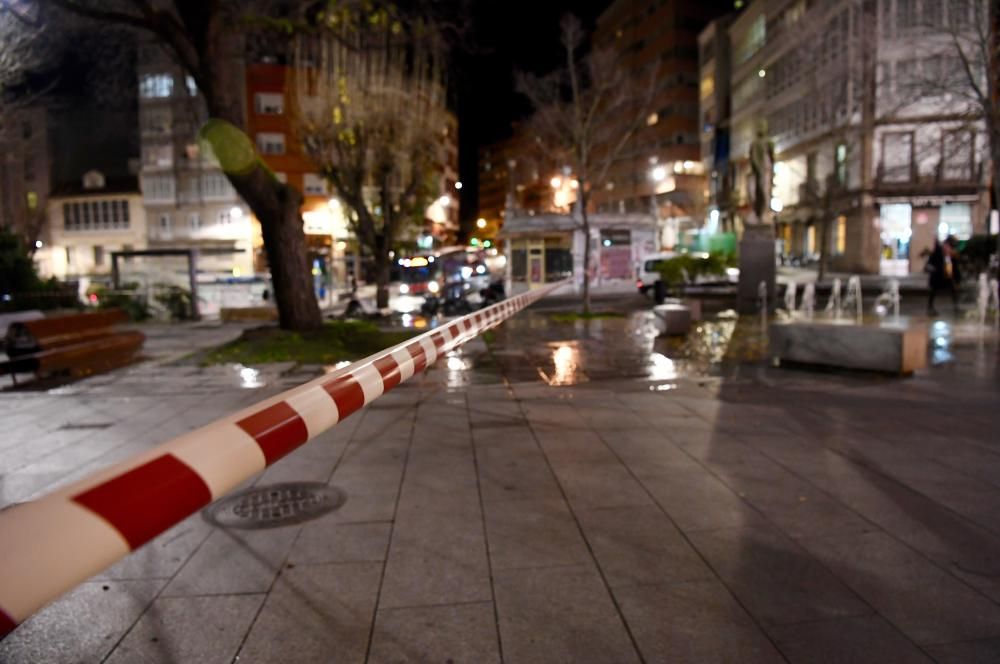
[78, 344]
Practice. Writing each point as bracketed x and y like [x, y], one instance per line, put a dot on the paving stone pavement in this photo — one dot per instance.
[758, 515]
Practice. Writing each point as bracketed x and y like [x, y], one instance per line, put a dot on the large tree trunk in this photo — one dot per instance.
[275, 204]
[382, 273]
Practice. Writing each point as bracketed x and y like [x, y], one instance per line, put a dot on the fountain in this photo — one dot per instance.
[888, 298]
[808, 305]
[790, 297]
[987, 299]
[850, 342]
[833, 305]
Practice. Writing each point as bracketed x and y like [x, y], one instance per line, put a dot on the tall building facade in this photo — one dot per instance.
[877, 150]
[660, 171]
[189, 202]
[25, 172]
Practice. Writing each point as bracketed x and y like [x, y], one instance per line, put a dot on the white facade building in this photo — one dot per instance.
[189, 202]
[87, 222]
[876, 145]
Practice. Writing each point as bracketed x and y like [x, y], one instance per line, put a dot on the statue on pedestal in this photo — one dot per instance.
[762, 165]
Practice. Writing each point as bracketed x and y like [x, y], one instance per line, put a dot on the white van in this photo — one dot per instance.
[647, 273]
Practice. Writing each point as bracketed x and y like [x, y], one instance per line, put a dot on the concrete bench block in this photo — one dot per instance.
[888, 347]
[672, 319]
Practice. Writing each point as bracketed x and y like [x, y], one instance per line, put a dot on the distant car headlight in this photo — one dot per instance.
[433, 286]
[404, 288]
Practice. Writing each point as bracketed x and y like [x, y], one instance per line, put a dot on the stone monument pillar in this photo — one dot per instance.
[757, 244]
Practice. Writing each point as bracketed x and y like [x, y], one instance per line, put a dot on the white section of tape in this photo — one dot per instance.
[317, 408]
[223, 454]
[405, 362]
[49, 546]
[370, 381]
[429, 350]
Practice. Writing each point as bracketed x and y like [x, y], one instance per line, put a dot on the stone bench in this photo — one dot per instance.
[672, 319]
[896, 348]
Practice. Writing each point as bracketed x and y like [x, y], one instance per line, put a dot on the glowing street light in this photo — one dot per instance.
[480, 223]
[458, 185]
[236, 212]
[445, 200]
[659, 173]
[556, 182]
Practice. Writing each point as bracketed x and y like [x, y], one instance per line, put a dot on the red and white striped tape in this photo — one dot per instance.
[50, 545]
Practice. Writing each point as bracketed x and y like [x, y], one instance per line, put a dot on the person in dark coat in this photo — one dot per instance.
[942, 266]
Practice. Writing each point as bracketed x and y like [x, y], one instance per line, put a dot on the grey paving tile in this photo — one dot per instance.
[234, 561]
[986, 651]
[774, 579]
[163, 556]
[436, 558]
[533, 533]
[696, 500]
[695, 621]
[859, 640]
[458, 633]
[925, 603]
[326, 541]
[514, 471]
[83, 626]
[189, 629]
[559, 614]
[316, 613]
[639, 545]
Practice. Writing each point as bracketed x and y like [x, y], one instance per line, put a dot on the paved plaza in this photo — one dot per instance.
[567, 493]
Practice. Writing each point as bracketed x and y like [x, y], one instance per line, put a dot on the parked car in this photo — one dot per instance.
[648, 274]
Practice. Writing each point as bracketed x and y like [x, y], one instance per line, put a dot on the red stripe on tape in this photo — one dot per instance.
[467, 324]
[147, 500]
[438, 339]
[7, 624]
[346, 392]
[419, 356]
[278, 430]
[389, 368]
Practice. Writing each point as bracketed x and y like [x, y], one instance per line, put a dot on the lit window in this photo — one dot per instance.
[652, 119]
[268, 103]
[225, 217]
[165, 223]
[194, 220]
[192, 87]
[313, 185]
[840, 239]
[271, 143]
[156, 86]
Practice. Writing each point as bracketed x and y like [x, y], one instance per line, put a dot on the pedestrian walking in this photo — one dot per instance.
[944, 274]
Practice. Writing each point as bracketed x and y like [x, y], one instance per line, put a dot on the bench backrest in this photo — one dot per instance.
[47, 333]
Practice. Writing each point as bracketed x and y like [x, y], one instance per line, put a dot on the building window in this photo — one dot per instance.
[651, 120]
[95, 215]
[156, 120]
[810, 239]
[158, 155]
[225, 217]
[98, 255]
[194, 221]
[159, 187]
[955, 219]
[69, 256]
[165, 223]
[156, 86]
[897, 156]
[313, 185]
[192, 87]
[707, 86]
[215, 185]
[32, 201]
[271, 143]
[840, 236]
[269, 103]
[957, 155]
[840, 163]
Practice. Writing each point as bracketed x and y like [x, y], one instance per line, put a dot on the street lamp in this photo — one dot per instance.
[556, 182]
[458, 185]
[480, 223]
[659, 173]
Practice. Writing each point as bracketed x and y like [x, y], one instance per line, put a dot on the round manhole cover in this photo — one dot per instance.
[275, 505]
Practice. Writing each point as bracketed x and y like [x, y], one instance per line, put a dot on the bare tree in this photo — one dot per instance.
[370, 110]
[573, 105]
[206, 39]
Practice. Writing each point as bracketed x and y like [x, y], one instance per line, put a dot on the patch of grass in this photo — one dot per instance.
[334, 342]
[573, 316]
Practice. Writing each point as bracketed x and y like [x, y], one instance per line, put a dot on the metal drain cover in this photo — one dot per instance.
[275, 505]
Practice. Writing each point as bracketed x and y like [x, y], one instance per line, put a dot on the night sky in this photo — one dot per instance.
[504, 37]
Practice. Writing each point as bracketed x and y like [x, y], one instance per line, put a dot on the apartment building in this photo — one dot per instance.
[660, 171]
[877, 150]
[25, 172]
[88, 220]
[189, 203]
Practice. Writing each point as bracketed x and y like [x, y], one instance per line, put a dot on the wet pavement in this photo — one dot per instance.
[566, 492]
